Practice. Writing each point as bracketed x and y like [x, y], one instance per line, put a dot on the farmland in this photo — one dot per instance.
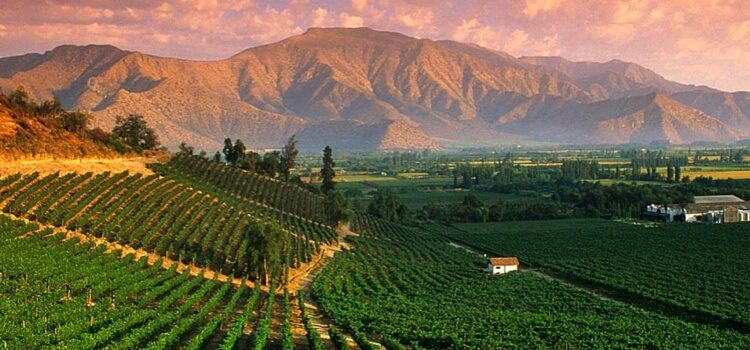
[73, 295]
[153, 261]
[697, 268]
[151, 212]
[201, 254]
[408, 286]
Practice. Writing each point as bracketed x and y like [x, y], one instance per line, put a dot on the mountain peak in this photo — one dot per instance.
[362, 33]
[365, 89]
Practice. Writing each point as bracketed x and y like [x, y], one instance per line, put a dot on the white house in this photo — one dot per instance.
[502, 265]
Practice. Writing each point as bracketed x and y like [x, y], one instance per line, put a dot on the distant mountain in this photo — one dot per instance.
[642, 119]
[360, 89]
[731, 108]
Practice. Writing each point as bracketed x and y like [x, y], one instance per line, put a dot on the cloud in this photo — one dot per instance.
[321, 18]
[517, 40]
[350, 21]
[740, 31]
[2, 30]
[535, 7]
[415, 18]
[359, 5]
[692, 44]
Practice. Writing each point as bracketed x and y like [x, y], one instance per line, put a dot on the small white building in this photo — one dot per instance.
[502, 265]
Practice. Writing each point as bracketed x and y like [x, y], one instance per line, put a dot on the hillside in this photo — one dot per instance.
[641, 119]
[23, 137]
[350, 83]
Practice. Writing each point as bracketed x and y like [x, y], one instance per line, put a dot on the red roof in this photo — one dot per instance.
[504, 261]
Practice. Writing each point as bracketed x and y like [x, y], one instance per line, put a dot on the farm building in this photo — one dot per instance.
[704, 209]
[502, 265]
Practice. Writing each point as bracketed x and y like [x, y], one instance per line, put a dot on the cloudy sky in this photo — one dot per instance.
[695, 41]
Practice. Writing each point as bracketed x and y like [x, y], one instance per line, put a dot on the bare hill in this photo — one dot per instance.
[367, 89]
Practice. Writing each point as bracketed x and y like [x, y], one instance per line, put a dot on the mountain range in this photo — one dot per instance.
[362, 89]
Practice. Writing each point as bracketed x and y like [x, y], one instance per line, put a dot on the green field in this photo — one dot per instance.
[64, 294]
[696, 268]
[408, 287]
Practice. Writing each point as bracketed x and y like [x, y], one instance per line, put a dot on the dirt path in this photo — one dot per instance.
[303, 282]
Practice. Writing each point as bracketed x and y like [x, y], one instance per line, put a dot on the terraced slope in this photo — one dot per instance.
[285, 197]
[161, 215]
[64, 294]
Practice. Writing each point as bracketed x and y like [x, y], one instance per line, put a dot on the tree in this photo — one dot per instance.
[670, 173]
[19, 97]
[228, 151]
[238, 150]
[217, 157]
[327, 173]
[186, 150]
[288, 157]
[269, 165]
[75, 122]
[250, 161]
[134, 131]
[677, 173]
[337, 208]
[267, 240]
[386, 205]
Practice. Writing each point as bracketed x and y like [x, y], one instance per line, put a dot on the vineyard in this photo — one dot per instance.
[285, 197]
[68, 294]
[697, 268]
[407, 287]
[162, 215]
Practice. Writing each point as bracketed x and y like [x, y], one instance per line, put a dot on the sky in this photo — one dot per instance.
[697, 41]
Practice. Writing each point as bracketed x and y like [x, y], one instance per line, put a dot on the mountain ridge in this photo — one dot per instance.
[430, 91]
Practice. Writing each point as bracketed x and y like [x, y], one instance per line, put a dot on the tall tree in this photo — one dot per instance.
[267, 241]
[238, 150]
[670, 173]
[337, 207]
[134, 131]
[327, 173]
[228, 151]
[217, 157]
[288, 157]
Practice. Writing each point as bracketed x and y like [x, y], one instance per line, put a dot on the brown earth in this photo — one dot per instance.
[82, 165]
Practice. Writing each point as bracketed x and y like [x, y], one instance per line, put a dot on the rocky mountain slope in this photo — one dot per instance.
[364, 89]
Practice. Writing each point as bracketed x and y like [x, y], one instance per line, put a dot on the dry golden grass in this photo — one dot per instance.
[719, 175]
[96, 165]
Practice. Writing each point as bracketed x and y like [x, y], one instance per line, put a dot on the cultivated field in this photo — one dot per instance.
[408, 287]
[694, 268]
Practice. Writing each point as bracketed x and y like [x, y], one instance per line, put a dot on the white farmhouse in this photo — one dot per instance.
[502, 265]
